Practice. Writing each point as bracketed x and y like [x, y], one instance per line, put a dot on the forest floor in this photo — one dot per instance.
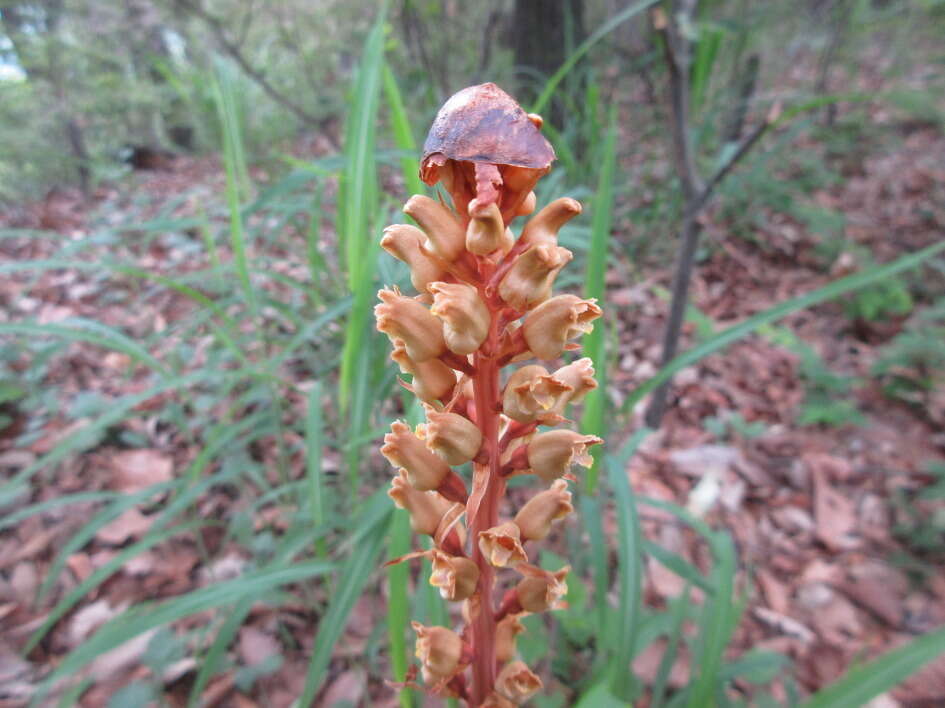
[822, 515]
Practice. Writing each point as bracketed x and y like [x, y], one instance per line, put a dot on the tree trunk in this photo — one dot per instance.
[543, 33]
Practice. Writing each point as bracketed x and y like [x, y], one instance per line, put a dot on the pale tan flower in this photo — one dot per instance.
[535, 518]
[530, 278]
[517, 682]
[530, 393]
[439, 649]
[402, 448]
[502, 545]
[406, 319]
[506, 631]
[486, 232]
[432, 379]
[405, 242]
[465, 316]
[451, 436]
[544, 226]
[542, 591]
[440, 225]
[578, 379]
[455, 576]
[549, 326]
[551, 454]
[426, 509]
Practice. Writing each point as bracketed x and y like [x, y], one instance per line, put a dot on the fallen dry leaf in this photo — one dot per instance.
[131, 524]
[834, 514]
[134, 470]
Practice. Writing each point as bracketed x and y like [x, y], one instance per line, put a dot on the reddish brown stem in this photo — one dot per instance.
[485, 515]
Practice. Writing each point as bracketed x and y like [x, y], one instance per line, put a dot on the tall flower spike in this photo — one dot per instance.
[488, 154]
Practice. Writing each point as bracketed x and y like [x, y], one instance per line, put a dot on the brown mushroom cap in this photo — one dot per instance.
[483, 124]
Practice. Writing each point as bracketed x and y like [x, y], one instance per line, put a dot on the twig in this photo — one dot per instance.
[219, 32]
[696, 193]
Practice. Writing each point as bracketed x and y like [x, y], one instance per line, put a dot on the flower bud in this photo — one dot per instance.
[502, 545]
[439, 224]
[517, 682]
[530, 393]
[535, 518]
[406, 319]
[465, 316]
[405, 243]
[529, 280]
[486, 231]
[527, 206]
[452, 437]
[551, 454]
[542, 592]
[508, 628]
[578, 378]
[426, 509]
[549, 326]
[439, 649]
[544, 226]
[425, 471]
[432, 379]
[455, 576]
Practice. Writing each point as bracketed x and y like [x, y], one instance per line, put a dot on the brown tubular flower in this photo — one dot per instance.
[406, 319]
[506, 632]
[549, 326]
[465, 316]
[452, 437]
[544, 226]
[446, 235]
[402, 448]
[502, 545]
[517, 682]
[455, 576]
[432, 379]
[576, 379]
[530, 279]
[405, 243]
[531, 393]
[486, 232]
[550, 455]
[492, 306]
[535, 518]
[542, 591]
[426, 509]
[439, 649]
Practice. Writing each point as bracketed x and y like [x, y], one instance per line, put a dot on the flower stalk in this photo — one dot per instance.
[485, 302]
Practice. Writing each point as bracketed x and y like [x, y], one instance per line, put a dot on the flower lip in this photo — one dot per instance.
[484, 124]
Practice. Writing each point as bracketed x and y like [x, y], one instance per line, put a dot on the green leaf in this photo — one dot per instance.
[862, 684]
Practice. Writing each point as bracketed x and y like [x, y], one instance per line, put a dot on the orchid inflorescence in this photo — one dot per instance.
[485, 302]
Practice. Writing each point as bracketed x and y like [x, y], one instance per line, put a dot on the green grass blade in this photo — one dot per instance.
[776, 312]
[403, 134]
[91, 332]
[862, 684]
[679, 565]
[352, 577]
[678, 609]
[359, 179]
[314, 441]
[629, 582]
[398, 618]
[102, 574]
[593, 419]
[716, 624]
[149, 615]
[234, 166]
[211, 660]
[584, 47]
